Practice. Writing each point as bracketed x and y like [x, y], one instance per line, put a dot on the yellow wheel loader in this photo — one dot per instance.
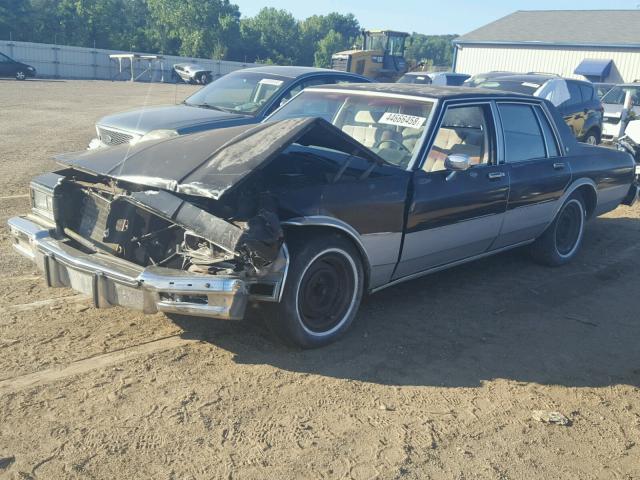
[381, 57]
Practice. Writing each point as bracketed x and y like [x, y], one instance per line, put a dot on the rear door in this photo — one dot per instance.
[456, 215]
[574, 110]
[537, 170]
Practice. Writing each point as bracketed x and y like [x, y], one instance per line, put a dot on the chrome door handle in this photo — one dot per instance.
[558, 166]
[495, 175]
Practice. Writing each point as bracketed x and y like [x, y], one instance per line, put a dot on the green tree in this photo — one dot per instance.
[317, 28]
[14, 19]
[272, 35]
[434, 50]
[195, 27]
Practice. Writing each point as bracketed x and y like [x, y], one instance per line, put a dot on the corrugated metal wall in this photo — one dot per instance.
[93, 63]
[560, 60]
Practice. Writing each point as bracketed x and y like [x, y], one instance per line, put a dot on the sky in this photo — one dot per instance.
[422, 16]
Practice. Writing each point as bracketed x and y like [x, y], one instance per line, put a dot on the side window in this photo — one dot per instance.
[575, 97]
[522, 135]
[550, 139]
[4, 59]
[463, 130]
[587, 92]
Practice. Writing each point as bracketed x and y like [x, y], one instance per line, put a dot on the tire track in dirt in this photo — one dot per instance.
[44, 377]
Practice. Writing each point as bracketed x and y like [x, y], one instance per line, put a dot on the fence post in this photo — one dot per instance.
[56, 62]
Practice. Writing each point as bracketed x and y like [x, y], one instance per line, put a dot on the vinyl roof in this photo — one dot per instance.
[418, 90]
[575, 27]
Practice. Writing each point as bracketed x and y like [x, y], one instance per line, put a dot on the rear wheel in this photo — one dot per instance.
[322, 291]
[592, 137]
[560, 243]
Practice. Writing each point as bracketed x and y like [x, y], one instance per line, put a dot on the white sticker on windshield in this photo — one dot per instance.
[402, 120]
[271, 81]
[530, 84]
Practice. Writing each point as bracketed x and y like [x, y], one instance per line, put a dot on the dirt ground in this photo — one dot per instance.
[438, 378]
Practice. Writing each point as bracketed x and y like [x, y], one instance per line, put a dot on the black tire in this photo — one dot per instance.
[562, 240]
[592, 137]
[322, 291]
[21, 75]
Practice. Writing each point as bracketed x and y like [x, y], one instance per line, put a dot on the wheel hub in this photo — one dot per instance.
[326, 291]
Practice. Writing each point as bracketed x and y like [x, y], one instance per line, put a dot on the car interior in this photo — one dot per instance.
[463, 131]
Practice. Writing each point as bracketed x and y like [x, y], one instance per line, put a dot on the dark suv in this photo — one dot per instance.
[576, 100]
[12, 68]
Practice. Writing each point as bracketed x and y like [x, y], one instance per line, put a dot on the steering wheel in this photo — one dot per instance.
[395, 142]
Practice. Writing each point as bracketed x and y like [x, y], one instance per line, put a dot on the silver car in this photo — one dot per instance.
[613, 103]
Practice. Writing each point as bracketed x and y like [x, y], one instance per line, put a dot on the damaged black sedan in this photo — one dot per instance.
[344, 191]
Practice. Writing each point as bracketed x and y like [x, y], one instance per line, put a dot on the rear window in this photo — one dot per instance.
[522, 135]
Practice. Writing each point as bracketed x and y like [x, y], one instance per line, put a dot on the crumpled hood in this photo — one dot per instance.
[175, 117]
[211, 163]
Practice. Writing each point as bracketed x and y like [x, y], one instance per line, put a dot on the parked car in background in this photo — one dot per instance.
[434, 78]
[346, 189]
[479, 78]
[575, 99]
[613, 103]
[238, 98]
[603, 88]
[12, 68]
[192, 73]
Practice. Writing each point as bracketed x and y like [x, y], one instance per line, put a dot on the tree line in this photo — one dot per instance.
[198, 28]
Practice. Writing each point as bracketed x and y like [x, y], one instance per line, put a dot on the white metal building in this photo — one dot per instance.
[601, 45]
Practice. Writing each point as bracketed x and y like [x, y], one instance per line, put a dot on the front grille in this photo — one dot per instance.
[612, 120]
[113, 137]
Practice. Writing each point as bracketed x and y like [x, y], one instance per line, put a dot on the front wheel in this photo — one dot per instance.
[322, 291]
[560, 243]
[21, 75]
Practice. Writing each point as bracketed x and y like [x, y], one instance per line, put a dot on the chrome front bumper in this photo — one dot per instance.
[112, 281]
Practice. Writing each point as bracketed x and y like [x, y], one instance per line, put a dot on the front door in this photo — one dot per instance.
[539, 173]
[454, 216]
[6, 66]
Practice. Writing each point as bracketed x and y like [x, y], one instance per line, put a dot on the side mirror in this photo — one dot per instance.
[457, 162]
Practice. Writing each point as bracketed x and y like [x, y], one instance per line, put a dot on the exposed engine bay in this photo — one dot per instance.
[237, 234]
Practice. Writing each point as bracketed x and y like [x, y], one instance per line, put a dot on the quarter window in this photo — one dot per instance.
[550, 139]
[522, 134]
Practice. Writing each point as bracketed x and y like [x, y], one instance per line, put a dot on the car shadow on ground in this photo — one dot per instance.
[501, 317]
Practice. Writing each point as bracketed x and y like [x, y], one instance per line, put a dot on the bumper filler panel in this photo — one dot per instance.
[112, 281]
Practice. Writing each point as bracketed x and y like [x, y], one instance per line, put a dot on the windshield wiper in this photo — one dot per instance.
[215, 107]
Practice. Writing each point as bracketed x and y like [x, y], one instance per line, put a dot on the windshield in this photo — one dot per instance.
[376, 41]
[241, 92]
[617, 95]
[389, 126]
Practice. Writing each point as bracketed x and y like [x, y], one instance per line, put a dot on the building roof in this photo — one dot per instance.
[568, 27]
